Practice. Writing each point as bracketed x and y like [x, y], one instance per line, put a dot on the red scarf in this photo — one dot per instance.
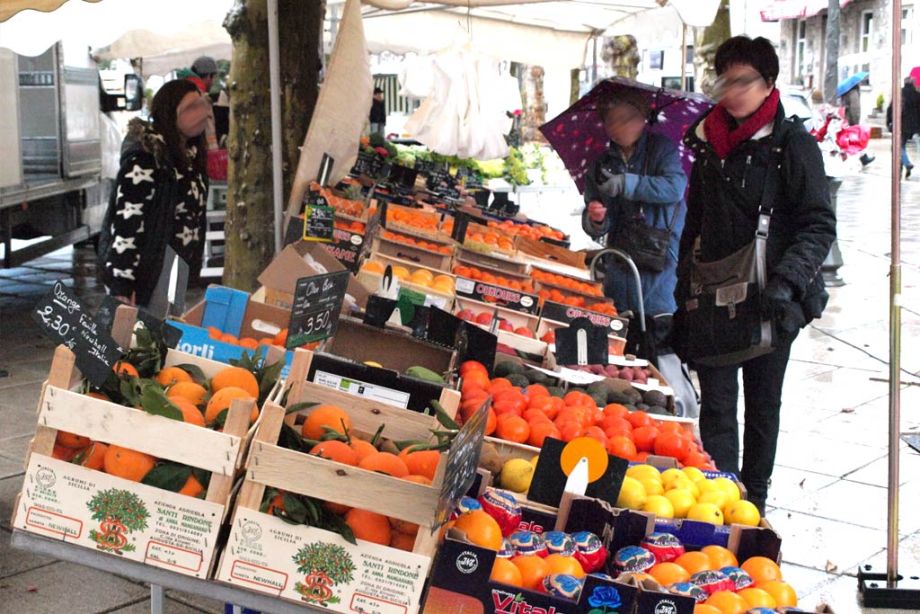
[724, 135]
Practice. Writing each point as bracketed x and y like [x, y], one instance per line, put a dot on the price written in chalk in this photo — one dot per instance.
[317, 303]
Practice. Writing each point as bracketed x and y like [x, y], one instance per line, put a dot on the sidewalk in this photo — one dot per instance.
[828, 499]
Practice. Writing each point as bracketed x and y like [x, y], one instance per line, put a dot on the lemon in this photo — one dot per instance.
[716, 497]
[742, 512]
[646, 472]
[535, 460]
[694, 474]
[706, 512]
[670, 475]
[632, 494]
[678, 481]
[729, 488]
[660, 506]
[682, 500]
[652, 487]
[516, 475]
[400, 272]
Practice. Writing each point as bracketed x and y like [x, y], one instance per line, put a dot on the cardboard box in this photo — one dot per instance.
[299, 260]
[123, 518]
[347, 247]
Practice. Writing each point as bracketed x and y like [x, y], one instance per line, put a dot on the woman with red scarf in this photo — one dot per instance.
[734, 146]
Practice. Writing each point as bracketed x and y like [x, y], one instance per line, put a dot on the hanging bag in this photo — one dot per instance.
[646, 245]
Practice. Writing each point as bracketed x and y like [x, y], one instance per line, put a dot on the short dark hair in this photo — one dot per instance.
[758, 53]
[624, 96]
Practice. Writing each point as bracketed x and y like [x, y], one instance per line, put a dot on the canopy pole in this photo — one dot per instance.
[894, 340]
[274, 73]
[683, 56]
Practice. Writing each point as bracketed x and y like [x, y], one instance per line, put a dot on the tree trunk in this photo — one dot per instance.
[832, 47]
[621, 53]
[249, 228]
[534, 103]
[708, 40]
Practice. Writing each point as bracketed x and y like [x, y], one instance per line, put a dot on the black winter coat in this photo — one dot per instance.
[724, 200]
[910, 112]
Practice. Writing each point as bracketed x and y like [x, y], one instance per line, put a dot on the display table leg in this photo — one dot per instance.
[157, 599]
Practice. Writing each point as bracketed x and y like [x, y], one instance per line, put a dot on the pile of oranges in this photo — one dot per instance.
[471, 272]
[606, 307]
[412, 218]
[350, 225]
[419, 243]
[443, 284]
[530, 415]
[353, 208]
[201, 403]
[529, 231]
[492, 240]
[567, 283]
[252, 344]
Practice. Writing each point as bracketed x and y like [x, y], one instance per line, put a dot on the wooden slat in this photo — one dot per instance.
[450, 401]
[62, 371]
[123, 325]
[297, 377]
[236, 425]
[267, 431]
[209, 367]
[138, 430]
[338, 483]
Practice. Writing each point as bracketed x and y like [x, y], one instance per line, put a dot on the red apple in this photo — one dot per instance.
[466, 314]
[484, 318]
[524, 332]
[549, 337]
[505, 325]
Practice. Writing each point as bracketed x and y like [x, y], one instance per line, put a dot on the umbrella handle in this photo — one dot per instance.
[624, 257]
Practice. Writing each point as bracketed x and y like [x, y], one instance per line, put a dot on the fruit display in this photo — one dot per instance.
[475, 273]
[488, 239]
[530, 231]
[605, 307]
[417, 243]
[484, 318]
[415, 220]
[637, 374]
[567, 283]
[350, 225]
[250, 343]
[425, 278]
[353, 208]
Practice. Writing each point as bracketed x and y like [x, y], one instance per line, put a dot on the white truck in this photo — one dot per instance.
[51, 186]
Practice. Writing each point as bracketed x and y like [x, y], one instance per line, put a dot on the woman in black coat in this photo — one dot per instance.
[734, 144]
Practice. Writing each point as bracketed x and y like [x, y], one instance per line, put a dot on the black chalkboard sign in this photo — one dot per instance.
[549, 480]
[462, 461]
[64, 319]
[571, 351]
[168, 296]
[317, 303]
[295, 230]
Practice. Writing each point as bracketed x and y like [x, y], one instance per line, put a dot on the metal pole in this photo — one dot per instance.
[157, 599]
[683, 57]
[894, 339]
[274, 73]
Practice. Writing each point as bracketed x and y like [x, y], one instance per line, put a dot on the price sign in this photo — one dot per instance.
[462, 460]
[319, 219]
[317, 303]
[582, 343]
[64, 319]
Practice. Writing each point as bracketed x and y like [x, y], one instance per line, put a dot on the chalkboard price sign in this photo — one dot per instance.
[317, 303]
[319, 219]
[462, 460]
[64, 319]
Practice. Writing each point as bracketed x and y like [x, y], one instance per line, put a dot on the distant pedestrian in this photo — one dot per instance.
[378, 116]
[910, 120]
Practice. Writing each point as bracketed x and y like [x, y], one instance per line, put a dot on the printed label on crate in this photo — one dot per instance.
[102, 512]
[197, 341]
[362, 389]
[319, 568]
[64, 319]
[346, 248]
[503, 297]
[557, 312]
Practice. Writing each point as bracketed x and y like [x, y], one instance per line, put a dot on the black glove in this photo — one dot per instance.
[613, 185]
[776, 298]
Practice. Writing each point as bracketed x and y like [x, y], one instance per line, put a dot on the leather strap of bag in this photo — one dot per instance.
[767, 200]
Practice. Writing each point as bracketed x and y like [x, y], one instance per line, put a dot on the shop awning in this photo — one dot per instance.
[795, 9]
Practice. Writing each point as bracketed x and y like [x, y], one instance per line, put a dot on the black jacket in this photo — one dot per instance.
[723, 204]
[910, 112]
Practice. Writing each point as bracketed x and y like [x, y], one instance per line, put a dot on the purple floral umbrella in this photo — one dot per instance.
[577, 134]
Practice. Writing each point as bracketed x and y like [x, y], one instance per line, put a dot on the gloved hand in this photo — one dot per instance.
[613, 185]
[776, 298]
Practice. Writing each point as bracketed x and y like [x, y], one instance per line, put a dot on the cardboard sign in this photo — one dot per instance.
[497, 295]
[462, 461]
[64, 319]
[168, 296]
[315, 312]
[582, 343]
[565, 314]
[346, 247]
[549, 479]
[319, 222]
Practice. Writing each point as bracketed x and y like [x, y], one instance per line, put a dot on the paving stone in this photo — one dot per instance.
[21, 373]
[876, 473]
[24, 396]
[10, 467]
[812, 542]
[196, 601]
[808, 451]
[15, 448]
[789, 485]
[64, 587]
[9, 490]
[13, 561]
[171, 607]
[806, 580]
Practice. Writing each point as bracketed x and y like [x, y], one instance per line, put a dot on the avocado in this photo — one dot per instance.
[556, 391]
[614, 396]
[655, 397]
[642, 406]
[598, 388]
[536, 377]
[518, 379]
[504, 369]
[599, 398]
[426, 374]
[658, 410]
[630, 406]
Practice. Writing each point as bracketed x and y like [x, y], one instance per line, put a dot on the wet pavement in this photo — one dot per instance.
[829, 496]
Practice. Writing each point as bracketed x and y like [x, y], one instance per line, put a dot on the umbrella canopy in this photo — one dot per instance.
[578, 136]
[851, 82]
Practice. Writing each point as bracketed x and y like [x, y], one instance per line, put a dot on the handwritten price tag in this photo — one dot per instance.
[317, 303]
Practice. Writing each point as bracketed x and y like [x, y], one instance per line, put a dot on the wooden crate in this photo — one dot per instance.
[438, 298]
[178, 532]
[261, 547]
[416, 255]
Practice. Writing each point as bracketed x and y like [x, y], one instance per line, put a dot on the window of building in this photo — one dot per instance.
[800, 43]
[907, 29]
[866, 27]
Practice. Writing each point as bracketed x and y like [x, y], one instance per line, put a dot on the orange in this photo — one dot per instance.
[418, 479]
[403, 526]
[171, 375]
[702, 608]
[324, 417]
[222, 400]
[673, 445]
[616, 410]
[540, 431]
[472, 365]
[559, 563]
[385, 462]
[533, 569]
[421, 462]
[127, 464]
[622, 446]
[645, 437]
[639, 418]
[337, 451]
[694, 562]
[94, 456]
[401, 541]
[669, 573]
[513, 428]
[362, 448]
[506, 572]
[782, 593]
[190, 391]
[728, 602]
[281, 338]
[65, 454]
[190, 413]
[762, 569]
[720, 556]
[369, 526]
[214, 332]
[235, 377]
[192, 487]
[249, 343]
[228, 338]
[98, 395]
[372, 266]
[480, 529]
[757, 598]
[491, 422]
[72, 441]
[125, 368]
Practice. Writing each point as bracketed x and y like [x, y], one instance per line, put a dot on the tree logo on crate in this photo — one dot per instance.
[251, 532]
[324, 565]
[119, 512]
[666, 606]
[45, 478]
[467, 562]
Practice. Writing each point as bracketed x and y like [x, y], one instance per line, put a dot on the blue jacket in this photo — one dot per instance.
[654, 180]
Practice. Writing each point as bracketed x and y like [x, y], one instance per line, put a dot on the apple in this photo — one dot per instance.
[505, 325]
[612, 371]
[484, 318]
[466, 315]
[628, 374]
[549, 337]
[524, 332]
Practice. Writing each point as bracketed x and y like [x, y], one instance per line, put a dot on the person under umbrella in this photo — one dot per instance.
[848, 93]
